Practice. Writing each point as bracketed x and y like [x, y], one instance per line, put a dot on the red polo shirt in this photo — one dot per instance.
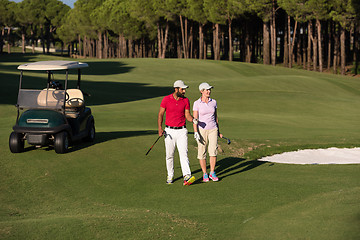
[175, 110]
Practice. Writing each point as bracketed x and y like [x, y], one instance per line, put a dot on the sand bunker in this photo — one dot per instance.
[317, 156]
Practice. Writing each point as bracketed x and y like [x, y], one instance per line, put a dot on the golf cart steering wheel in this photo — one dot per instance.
[58, 95]
[75, 101]
[67, 96]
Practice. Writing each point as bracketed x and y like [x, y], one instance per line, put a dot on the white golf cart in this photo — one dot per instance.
[55, 115]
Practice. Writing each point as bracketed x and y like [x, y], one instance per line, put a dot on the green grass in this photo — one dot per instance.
[110, 190]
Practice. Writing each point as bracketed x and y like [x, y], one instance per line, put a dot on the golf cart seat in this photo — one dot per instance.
[50, 97]
[75, 103]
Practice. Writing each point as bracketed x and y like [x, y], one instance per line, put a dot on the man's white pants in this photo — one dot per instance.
[178, 138]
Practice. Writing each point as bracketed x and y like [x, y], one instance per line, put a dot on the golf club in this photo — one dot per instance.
[228, 140]
[153, 144]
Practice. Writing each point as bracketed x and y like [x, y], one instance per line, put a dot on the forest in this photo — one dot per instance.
[317, 35]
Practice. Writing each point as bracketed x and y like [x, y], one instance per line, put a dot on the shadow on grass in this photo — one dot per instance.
[229, 166]
[102, 137]
[102, 92]
[18, 57]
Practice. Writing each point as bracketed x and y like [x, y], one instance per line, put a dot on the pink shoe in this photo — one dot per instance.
[205, 177]
[213, 177]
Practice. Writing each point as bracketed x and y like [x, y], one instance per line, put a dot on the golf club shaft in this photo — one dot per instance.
[153, 145]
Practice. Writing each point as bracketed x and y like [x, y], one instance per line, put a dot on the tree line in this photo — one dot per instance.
[315, 34]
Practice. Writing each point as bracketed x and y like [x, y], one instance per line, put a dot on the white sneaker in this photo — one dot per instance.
[169, 180]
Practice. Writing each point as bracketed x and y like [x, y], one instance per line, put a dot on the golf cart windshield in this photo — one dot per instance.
[54, 95]
[47, 98]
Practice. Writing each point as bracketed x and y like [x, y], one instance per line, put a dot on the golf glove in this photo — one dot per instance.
[195, 121]
[197, 136]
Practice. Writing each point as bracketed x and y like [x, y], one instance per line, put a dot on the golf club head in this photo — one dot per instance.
[228, 140]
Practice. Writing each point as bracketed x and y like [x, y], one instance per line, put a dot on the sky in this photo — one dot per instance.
[67, 2]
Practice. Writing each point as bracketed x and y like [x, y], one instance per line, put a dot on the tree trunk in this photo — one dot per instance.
[273, 36]
[330, 34]
[70, 48]
[99, 45]
[1, 40]
[23, 41]
[184, 48]
[131, 48]
[159, 40]
[231, 50]
[106, 46]
[47, 34]
[299, 47]
[205, 49]
[178, 46]
[318, 24]
[190, 42]
[84, 46]
[42, 38]
[9, 40]
[342, 50]
[201, 41]
[92, 48]
[291, 43]
[266, 43]
[315, 51]
[336, 50]
[162, 40]
[356, 48]
[309, 45]
[78, 48]
[303, 40]
[247, 45]
[32, 40]
[286, 42]
[165, 40]
[118, 52]
[216, 41]
[125, 47]
[122, 42]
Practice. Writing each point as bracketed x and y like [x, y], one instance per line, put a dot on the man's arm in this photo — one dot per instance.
[160, 120]
[188, 115]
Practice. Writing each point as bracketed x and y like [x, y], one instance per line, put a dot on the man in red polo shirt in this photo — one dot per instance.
[177, 108]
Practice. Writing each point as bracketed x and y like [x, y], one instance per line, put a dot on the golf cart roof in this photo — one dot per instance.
[52, 65]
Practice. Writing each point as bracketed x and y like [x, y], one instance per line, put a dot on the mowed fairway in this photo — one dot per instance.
[111, 190]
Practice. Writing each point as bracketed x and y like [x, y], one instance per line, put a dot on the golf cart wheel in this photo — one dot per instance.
[61, 143]
[91, 133]
[16, 142]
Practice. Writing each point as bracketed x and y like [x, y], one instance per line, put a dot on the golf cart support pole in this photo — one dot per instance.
[66, 80]
[17, 105]
[79, 78]
[49, 79]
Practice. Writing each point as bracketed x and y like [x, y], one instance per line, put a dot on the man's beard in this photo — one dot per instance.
[179, 94]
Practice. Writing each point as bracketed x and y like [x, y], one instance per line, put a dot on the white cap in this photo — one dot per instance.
[204, 85]
[180, 84]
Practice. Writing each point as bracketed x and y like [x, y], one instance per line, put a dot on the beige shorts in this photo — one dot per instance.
[207, 137]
